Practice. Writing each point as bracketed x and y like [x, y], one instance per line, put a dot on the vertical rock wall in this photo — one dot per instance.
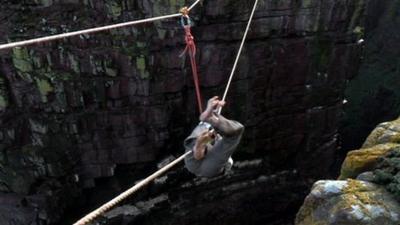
[373, 94]
[77, 110]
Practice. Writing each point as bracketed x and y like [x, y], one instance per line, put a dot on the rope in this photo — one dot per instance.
[88, 31]
[238, 55]
[194, 4]
[191, 51]
[106, 207]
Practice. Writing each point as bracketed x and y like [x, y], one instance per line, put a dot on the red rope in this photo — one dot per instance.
[191, 50]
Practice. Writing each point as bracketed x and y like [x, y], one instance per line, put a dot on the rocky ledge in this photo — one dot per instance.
[368, 190]
[246, 195]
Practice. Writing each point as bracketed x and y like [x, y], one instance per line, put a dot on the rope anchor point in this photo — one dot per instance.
[184, 11]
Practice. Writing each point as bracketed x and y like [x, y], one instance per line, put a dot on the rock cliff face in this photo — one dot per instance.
[82, 118]
[373, 94]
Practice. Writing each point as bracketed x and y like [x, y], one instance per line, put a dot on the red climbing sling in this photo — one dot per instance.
[191, 51]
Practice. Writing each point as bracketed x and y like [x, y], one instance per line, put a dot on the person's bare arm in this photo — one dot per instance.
[199, 151]
[200, 146]
[225, 127]
[212, 105]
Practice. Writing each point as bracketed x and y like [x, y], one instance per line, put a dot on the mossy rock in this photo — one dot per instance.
[44, 87]
[359, 161]
[348, 202]
[22, 60]
[388, 132]
[388, 172]
[114, 9]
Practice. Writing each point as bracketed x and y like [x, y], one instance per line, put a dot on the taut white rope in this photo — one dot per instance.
[194, 4]
[238, 55]
[104, 208]
[88, 31]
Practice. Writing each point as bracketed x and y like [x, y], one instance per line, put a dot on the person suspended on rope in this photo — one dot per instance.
[212, 142]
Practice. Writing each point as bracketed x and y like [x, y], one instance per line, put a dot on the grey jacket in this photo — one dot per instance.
[229, 134]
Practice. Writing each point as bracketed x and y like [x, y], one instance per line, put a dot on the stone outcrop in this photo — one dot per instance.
[87, 116]
[359, 161]
[373, 197]
[248, 195]
[348, 202]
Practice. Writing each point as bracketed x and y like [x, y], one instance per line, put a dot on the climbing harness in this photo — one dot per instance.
[191, 51]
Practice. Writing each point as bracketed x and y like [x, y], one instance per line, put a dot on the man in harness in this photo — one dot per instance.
[212, 142]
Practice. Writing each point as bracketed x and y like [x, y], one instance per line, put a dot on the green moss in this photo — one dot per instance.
[114, 8]
[307, 3]
[22, 60]
[357, 14]
[44, 88]
[3, 102]
[20, 53]
[141, 66]
[388, 172]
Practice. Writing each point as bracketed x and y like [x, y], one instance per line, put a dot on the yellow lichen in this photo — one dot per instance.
[374, 137]
[363, 160]
[356, 194]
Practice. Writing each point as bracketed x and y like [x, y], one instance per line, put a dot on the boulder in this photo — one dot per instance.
[349, 202]
[388, 132]
[384, 139]
[359, 161]
[373, 197]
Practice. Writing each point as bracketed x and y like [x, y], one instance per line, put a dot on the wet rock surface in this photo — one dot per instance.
[82, 118]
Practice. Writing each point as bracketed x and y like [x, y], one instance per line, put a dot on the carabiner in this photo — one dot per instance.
[186, 21]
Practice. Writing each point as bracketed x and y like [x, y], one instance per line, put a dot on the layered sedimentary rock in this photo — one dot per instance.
[90, 114]
[248, 195]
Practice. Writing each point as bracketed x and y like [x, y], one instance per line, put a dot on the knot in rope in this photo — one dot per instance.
[184, 11]
[190, 44]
